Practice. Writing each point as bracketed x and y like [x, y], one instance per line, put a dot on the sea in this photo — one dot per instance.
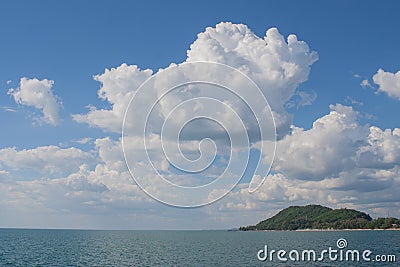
[29, 247]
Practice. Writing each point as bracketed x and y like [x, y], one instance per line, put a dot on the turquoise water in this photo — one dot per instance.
[182, 248]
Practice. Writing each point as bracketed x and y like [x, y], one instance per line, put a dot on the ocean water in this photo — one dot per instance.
[20, 247]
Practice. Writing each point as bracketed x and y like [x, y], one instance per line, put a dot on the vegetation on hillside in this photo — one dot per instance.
[320, 217]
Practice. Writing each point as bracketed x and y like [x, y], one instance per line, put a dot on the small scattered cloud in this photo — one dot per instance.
[38, 94]
[83, 141]
[388, 83]
[8, 109]
[306, 99]
[366, 84]
[369, 116]
[302, 99]
[351, 101]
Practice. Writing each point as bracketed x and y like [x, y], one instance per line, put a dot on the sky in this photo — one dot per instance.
[329, 71]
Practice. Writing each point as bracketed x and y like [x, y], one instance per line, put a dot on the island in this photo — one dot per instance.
[323, 218]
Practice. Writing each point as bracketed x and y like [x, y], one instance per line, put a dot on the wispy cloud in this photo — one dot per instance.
[366, 84]
[83, 141]
[8, 109]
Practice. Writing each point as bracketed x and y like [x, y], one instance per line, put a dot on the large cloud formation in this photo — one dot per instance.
[336, 154]
[38, 93]
[276, 65]
[337, 162]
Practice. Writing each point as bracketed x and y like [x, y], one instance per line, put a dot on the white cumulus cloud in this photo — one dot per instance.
[325, 149]
[45, 159]
[388, 82]
[118, 87]
[277, 65]
[38, 94]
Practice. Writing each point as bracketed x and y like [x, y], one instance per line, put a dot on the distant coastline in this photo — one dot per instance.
[324, 230]
[315, 218]
[339, 230]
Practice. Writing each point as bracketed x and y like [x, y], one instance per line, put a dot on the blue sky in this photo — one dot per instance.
[70, 42]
